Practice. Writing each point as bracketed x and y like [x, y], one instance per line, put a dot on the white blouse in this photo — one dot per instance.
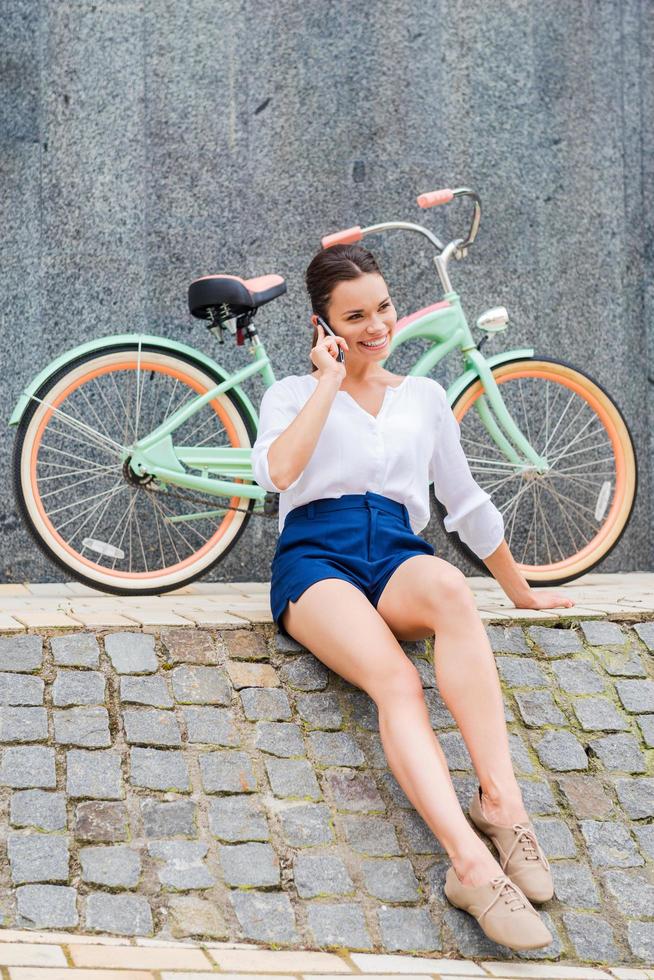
[413, 441]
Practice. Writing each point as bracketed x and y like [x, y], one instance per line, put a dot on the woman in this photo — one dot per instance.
[351, 448]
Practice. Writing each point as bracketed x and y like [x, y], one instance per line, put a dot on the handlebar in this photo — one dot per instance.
[428, 200]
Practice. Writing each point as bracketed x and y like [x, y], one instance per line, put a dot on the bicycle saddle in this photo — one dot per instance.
[236, 294]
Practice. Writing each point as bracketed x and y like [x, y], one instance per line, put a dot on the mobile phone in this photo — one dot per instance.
[325, 325]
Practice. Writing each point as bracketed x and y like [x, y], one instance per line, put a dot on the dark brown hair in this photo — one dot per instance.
[329, 267]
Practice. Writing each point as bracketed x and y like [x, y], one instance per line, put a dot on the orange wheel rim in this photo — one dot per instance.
[89, 376]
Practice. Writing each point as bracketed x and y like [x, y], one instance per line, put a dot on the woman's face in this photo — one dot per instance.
[360, 310]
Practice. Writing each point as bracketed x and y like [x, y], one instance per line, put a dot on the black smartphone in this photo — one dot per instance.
[325, 326]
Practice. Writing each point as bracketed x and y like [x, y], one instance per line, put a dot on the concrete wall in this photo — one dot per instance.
[146, 143]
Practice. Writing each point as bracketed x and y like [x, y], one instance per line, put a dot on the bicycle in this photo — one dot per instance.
[113, 501]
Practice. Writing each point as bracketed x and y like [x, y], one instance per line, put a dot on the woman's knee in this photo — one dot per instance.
[450, 591]
[399, 681]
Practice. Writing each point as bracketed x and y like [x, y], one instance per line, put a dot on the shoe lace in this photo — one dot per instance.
[527, 837]
[507, 891]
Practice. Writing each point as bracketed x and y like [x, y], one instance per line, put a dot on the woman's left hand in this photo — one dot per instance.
[543, 600]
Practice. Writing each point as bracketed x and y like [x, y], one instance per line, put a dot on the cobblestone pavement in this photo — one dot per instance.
[221, 784]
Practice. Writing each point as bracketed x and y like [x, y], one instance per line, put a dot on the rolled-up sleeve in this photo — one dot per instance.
[277, 410]
[470, 510]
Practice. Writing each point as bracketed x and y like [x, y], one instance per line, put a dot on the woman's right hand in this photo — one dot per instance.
[325, 356]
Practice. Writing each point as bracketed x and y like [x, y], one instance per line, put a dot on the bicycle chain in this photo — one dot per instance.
[192, 499]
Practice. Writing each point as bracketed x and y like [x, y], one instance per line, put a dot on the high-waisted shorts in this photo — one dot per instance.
[359, 537]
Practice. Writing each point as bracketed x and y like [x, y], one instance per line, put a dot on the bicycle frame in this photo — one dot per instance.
[445, 327]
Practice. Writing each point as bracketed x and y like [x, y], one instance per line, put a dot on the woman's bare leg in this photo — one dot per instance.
[339, 625]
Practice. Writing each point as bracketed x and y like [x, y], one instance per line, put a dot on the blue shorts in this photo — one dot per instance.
[359, 537]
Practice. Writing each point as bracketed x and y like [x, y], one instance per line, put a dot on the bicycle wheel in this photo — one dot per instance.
[85, 507]
[561, 523]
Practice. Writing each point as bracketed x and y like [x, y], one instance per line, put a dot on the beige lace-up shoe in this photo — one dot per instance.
[501, 909]
[520, 854]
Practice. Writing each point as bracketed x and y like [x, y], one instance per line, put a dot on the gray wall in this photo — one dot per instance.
[146, 143]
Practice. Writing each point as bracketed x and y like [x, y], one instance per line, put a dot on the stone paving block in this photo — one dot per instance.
[585, 796]
[537, 796]
[149, 689]
[227, 772]
[292, 778]
[519, 755]
[20, 689]
[574, 885]
[36, 808]
[425, 670]
[555, 838]
[320, 710]
[538, 708]
[340, 924]
[126, 915]
[321, 873]
[87, 727]
[26, 767]
[335, 749]
[362, 710]
[131, 653]
[244, 674]
[640, 936]
[159, 769]
[37, 857]
[348, 789]
[561, 752]
[645, 632]
[397, 794]
[252, 864]
[420, 839]
[183, 866]
[554, 641]
[636, 797]
[602, 633]
[646, 725]
[238, 818]
[151, 726]
[184, 646]
[115, 866]
[577, 676]
[304, 673]
[211, 726]
[410, 930]
[201, 685]
[265, 704]
[23, 725]
[75, 650]
[633, 893]
[521, 672]
[175, 818]
[591, 936]
[93, 775]
[371, 835]
[74, 687]
[598, 714]
[391, 879]
[305, 825]
[280, 738]
[619, 752]
[46, 907]
[244, 645]
[609, 844]
[636, 696]
[645, 835]
[101, 822]
[456, 750]
[621, 663]
[21, 653]
[267, 917]
[194, 916]
[507, 639]
[286, 644]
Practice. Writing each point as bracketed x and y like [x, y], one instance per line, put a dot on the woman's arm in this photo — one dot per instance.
[502, 566]
[287, 437]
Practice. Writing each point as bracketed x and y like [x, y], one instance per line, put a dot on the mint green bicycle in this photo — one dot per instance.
[132, 454]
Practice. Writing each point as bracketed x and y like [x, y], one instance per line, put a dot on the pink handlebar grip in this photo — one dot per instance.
[433, 198]
[346, 237]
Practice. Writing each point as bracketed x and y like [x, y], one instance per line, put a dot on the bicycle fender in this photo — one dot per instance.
[164, 343]
[462, 382]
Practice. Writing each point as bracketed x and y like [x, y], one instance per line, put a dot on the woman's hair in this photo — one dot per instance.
[329, 267]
